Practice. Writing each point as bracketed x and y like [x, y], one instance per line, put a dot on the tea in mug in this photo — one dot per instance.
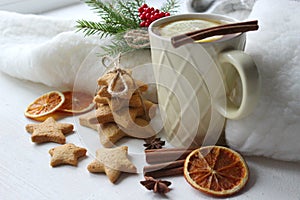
[182, 26]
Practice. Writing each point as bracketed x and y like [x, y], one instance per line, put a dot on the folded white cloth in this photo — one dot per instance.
[50, 51]
[42, 49]
[273, 129]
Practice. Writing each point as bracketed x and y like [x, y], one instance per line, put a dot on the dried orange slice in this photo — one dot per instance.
[45, 105]
[216, 170]
[77, 102]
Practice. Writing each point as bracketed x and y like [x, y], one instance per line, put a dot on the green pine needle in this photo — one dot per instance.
[116, 47]
[97, 28]
[116, 18]
[170, 6]
[130, 9]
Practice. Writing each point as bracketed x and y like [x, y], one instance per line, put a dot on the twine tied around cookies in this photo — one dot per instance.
[137, 39]
[119, 74]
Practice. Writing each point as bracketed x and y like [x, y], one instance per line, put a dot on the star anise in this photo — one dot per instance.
[155, 143]
[158, 186]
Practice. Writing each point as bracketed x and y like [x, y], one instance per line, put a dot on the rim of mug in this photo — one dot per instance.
[211, 16]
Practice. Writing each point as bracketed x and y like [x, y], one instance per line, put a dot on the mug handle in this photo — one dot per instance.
[250, 82]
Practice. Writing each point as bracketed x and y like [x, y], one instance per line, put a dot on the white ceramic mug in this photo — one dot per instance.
[199, 85]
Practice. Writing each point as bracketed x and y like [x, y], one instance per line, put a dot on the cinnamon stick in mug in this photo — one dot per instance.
[226, 29]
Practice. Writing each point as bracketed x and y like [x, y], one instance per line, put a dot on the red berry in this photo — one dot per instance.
[142, 24]
[156, 16]
[152, 18]
[144, 6]
[161, 14]
[141, 9]
[143, 16]
[148, 15]
[148, 10]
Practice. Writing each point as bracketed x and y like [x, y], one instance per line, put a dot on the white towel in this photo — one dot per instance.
[50, 51]
[273, 129]
[42, 49]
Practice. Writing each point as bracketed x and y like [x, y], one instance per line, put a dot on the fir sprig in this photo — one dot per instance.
[116, 18]
[116, 46]
[170, 6]
[113, 19]
[97, 28]
[130, 9]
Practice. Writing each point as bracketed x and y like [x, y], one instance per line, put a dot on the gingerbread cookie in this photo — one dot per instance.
[118, 103]
[105, 115]
[108, 77]
[119, 116]
[103, 91]
[112, 162]
[85, 120]
[66, 154]
[118, 78]
[139, 129]
[109, 134]
[49, 131]
[125, 116]
[150, 109]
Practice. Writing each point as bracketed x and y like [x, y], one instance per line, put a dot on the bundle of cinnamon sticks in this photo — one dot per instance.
[165, 162]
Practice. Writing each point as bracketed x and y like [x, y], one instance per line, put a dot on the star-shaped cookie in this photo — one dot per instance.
[84, 120]
[110, 133]
[66, 154]
[49, 131]
[119, 103]
[105, 115]
[112, 161]
[103, 91]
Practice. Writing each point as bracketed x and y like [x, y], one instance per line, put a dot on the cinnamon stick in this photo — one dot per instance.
[177, 37]
[163, 166]
[165, 172]
[165, 162]
[166, 155]
[168, 150]
[226, 29]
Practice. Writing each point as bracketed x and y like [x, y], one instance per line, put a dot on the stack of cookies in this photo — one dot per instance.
[120, 108]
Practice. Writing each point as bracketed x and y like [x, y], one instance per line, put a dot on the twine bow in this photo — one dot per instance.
[120, 75]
